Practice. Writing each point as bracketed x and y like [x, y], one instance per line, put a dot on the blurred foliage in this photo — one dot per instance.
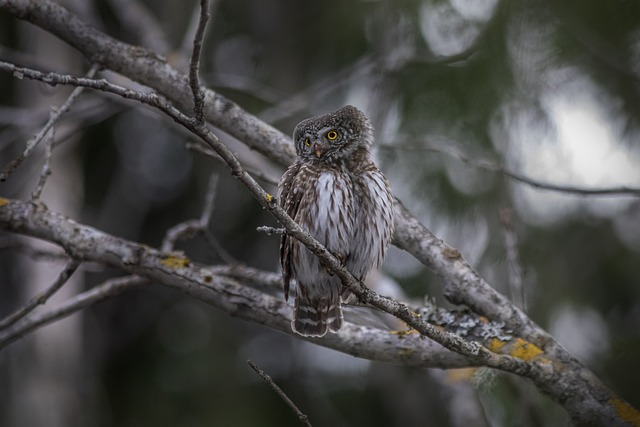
[547, 89]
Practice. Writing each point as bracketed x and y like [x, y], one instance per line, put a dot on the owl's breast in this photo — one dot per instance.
[333, 216]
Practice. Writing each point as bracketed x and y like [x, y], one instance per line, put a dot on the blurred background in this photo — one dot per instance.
[462, 94]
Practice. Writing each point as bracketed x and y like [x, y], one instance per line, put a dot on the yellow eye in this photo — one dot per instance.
[331, 135]
[307, 142]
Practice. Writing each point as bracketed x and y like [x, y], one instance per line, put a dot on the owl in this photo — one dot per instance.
[336, 192]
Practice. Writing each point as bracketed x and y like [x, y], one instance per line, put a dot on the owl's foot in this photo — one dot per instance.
[343, 262]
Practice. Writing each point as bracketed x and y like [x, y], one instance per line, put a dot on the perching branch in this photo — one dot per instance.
[221, 287]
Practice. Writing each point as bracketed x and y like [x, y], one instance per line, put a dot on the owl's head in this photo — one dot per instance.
[333, 136]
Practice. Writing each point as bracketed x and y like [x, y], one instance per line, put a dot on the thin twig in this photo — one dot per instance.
[191, 227]
[81, 301]
[514, 267]
[495, 167]
[46, 166]
[42, 297]
[267, 379]
[200, 226]
[269, 231]
[194, 65]
[33, 142]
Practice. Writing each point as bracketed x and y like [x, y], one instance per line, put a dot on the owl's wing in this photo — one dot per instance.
[289, 200]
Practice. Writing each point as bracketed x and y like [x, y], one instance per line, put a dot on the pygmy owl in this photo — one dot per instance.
[336, 192]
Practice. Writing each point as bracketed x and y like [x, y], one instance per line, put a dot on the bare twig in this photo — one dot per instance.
[531, 182]
[267, 379]
[269, 231]
[514, 267]
[53, 119]
[46, 166]
[187, 38]
[41, 298]
[194, 66]
[191, 227]
[194, 226]
[81, 301]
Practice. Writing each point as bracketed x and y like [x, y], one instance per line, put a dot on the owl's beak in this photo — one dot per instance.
[318, 149]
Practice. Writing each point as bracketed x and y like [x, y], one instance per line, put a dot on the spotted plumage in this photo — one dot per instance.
[335, 191]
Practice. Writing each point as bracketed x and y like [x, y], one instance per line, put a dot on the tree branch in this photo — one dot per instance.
[108, 289]
[33, 143]
[518, 177]
[41, 298]
[267, 379]
[209, 285]
[194, 66]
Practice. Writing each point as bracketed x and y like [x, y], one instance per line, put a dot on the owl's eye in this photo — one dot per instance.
[332, 135]
[307, 142]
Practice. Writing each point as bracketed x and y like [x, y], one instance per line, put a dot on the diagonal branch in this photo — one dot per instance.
[267, 379]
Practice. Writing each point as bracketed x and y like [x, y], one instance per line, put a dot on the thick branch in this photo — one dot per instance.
[88, 244]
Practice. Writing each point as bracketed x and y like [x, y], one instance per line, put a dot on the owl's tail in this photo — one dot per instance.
[312, 318]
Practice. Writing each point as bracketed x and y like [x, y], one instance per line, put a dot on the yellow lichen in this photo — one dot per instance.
[517, 348]
[625, 411]
[524, 350]
[405, 332]
[496, 345]
[268, 198]
[173, 261]
[4, 201]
